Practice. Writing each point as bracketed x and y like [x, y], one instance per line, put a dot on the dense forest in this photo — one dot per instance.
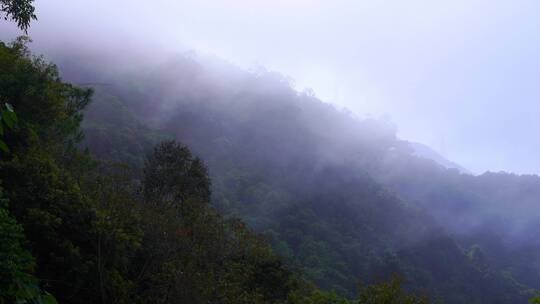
[340, 196]
[76, 229]
[185, 179]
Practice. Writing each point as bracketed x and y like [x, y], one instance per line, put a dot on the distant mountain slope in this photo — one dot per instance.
[424, 151]
[340, 196]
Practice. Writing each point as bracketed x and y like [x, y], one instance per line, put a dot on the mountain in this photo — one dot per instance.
[424, 151]
[75, 229]
[339, 196]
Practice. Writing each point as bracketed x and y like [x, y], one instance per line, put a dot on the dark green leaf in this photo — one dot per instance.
[49, 299]
[8, 119]
[13, 116]
[11, 112]
[3, 146]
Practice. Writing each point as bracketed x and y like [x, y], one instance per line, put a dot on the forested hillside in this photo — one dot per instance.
[159, 178]
[89, 237]
[76, 229]
[340, 196]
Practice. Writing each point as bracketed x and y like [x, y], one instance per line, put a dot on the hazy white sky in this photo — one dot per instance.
[460, 76]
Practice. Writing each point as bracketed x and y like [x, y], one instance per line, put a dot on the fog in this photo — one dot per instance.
[459, 76]
[344, 131]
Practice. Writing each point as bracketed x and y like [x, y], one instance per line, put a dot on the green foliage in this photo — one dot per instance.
[388, 292]
[8, 118]
[317, 181]
[190, 253]
[99, 235]
[172, 175]
[320, 297]
[161, 232]
[19, 11]
[17, 284]
[45, 199]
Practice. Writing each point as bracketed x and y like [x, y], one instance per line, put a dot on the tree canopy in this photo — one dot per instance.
[75, 229]
[19, 11]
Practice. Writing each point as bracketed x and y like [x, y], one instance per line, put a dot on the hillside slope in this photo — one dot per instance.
[331, 190]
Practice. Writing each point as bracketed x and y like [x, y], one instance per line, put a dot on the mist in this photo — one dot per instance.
[459, 77]
[296, 147]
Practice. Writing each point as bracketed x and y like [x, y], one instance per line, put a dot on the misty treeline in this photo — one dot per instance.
[75, 229]
[81, 231]
[190, 180]
[341, 197]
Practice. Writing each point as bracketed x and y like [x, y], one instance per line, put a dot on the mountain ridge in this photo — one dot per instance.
[261, 139]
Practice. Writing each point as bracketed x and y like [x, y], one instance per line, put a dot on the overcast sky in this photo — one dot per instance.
[460, 76]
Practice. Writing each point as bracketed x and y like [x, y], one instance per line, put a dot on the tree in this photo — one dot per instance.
[189, 253]
[45, 200]
[17, 284]
[388, 293]
[172, 175]
[535, 300]
[19, 11]
[86, 233]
